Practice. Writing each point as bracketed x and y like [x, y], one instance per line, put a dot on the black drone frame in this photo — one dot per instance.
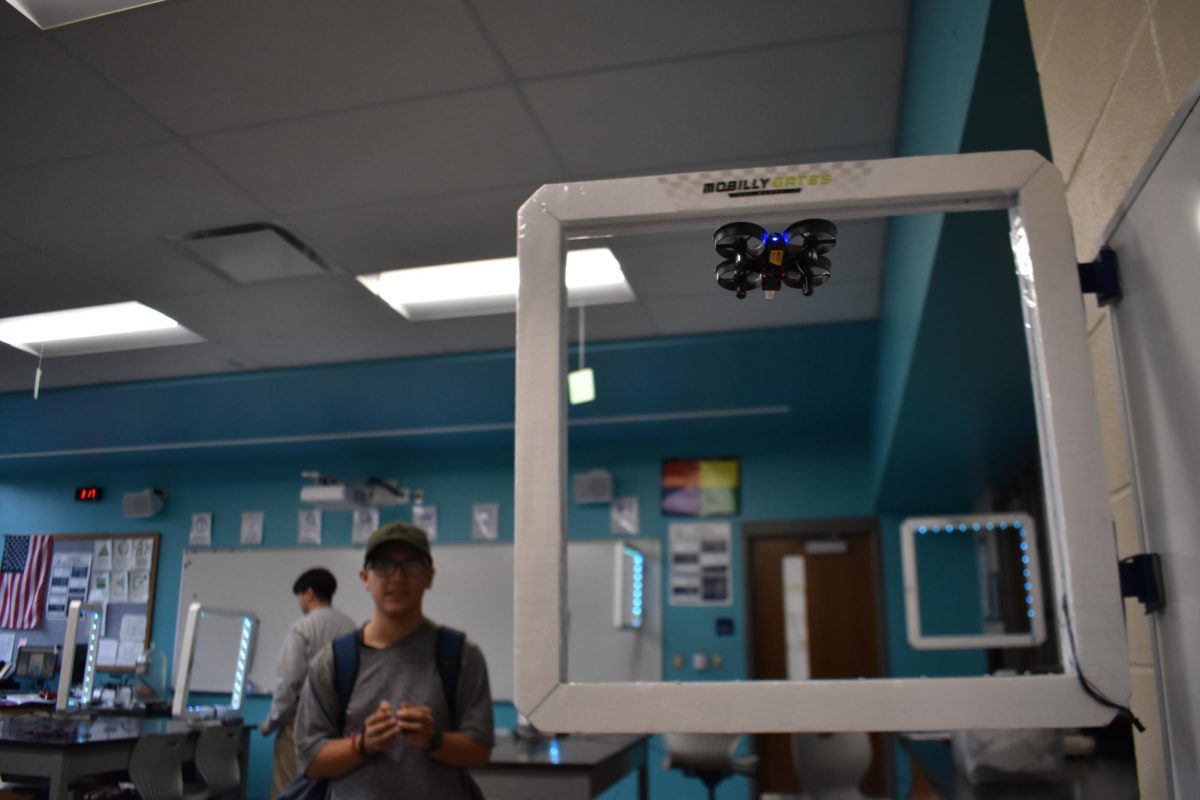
[754, 257]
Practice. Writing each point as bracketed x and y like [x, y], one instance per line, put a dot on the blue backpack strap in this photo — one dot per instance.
[449, 666]
[345, 670]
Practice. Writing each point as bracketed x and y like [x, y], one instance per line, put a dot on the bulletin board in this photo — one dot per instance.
[124, 609]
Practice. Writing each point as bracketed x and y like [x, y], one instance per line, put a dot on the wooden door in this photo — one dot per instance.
[845, 640]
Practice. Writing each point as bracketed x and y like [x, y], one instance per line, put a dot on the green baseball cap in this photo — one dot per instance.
[402, 532]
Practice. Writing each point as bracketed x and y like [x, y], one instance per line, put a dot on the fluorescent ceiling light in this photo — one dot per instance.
[48, 14]
[476, 288]
[96, 329]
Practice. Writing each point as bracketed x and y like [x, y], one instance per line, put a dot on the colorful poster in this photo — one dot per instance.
[701, 487]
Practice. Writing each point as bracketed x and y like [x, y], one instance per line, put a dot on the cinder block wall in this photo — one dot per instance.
[1113, 73]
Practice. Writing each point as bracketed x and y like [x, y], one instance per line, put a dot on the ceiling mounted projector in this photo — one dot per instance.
[331, 494]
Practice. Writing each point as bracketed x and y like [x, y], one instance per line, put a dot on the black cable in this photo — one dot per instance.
[373, 481]
[1123, 711]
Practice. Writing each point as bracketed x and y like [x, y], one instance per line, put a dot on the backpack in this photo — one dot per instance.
[345, 671]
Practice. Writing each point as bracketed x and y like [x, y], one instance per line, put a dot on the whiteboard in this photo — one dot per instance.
[1157, 332]
[472, 591]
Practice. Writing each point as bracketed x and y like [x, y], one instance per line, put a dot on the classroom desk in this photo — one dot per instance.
[568, 768]
[64, 750]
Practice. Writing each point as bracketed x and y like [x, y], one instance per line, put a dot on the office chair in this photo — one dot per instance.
[831, 765]
[217, 759]
[156, 767]
[707, 756]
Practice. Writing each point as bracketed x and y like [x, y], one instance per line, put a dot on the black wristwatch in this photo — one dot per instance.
[436, 742]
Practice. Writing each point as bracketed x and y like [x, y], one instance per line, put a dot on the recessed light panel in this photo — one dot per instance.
[477, 288]
[53, 13]
[95, 329]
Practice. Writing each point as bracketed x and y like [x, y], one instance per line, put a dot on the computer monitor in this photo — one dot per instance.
[38, 663]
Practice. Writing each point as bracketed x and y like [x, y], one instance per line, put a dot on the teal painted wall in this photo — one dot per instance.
[944, 44]
[834, 485]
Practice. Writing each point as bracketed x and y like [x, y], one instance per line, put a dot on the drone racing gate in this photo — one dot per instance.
[1083, 552]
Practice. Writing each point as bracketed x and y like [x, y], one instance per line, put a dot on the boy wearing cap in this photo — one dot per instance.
[397, 739]
[320, 625]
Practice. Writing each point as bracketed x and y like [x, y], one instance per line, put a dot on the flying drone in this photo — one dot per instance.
[755, 257]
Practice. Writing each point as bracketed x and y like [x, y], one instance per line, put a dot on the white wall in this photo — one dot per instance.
[1113, 74]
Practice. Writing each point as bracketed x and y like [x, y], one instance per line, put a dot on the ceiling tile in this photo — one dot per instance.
[13, 22]
[18, 369]
[9, 245]
[721, 311]
[144, 268]
[220, 63]
[776, 101]
[35, 282]
[154, 190]
[589, 36]
[477, 334]
[463, 142]
[399, 339]
[56, 108]
[201, 358]
[419, 232]
[278, 307]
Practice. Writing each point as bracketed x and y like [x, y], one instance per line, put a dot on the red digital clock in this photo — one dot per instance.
[87, 494]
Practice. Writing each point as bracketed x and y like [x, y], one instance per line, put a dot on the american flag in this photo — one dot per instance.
[23, 570]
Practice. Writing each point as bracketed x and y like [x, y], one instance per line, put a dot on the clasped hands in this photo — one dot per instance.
[414, 723]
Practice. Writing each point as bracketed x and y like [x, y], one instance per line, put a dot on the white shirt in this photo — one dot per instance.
[312, 632]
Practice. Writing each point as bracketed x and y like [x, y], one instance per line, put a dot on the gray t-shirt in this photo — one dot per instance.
[308, 636]
[403, 672]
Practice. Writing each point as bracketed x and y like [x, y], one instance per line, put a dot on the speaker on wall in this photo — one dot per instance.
[144, 504]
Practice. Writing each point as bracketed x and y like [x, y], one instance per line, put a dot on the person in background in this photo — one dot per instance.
[320, 625]
[396, 736]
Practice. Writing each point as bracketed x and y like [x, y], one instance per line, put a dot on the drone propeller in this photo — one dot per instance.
[807, 277]
[739, 239]
[736, 278]
[817, 235]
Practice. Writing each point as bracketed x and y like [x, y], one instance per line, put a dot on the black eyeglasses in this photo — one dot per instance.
[386, 567]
